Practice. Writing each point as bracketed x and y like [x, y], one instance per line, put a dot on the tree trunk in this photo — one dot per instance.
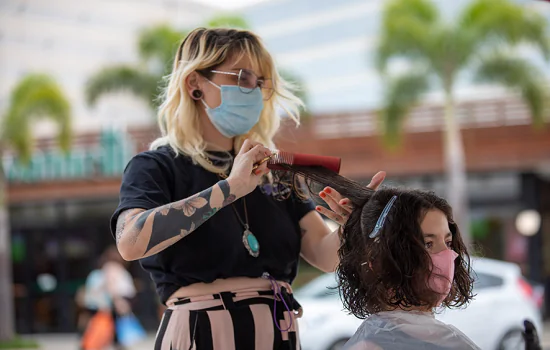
[6, 282]
[455, 169]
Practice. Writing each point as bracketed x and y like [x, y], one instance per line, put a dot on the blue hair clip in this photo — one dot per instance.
[382, 218]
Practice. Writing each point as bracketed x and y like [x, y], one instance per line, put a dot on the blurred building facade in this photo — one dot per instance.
[73, 40]
[60, 205]
[331, 46]
[57, 239]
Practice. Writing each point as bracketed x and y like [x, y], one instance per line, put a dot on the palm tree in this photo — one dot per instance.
[156, 47]
[35, 96]
[483, 40]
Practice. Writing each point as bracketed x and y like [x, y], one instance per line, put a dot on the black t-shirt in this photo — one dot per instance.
[215, 249]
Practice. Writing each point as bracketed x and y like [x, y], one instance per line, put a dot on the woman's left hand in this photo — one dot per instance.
[340, 207]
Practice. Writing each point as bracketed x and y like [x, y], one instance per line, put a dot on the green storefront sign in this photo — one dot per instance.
[108, 158]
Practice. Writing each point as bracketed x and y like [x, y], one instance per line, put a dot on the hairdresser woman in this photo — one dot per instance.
[221, 251]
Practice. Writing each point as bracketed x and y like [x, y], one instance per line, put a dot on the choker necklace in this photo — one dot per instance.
[220, 175]
[249, 240]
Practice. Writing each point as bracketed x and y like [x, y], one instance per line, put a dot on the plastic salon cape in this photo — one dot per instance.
[407, 330]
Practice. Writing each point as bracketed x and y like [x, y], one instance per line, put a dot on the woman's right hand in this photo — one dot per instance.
[242, 179]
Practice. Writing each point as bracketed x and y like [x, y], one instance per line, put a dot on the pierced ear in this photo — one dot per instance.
[192, 83]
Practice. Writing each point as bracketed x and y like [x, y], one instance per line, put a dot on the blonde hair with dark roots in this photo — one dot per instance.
[202, 50]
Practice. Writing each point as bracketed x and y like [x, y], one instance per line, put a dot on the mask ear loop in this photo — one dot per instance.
[204, 104]
[211, 82]
[202, 99]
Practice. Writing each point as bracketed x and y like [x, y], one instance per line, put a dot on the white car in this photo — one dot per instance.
[493, 320]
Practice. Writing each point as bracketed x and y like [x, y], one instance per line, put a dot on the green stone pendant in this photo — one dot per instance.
[251, 243]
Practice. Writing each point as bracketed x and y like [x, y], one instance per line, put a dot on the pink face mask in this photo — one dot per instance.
[441, 278]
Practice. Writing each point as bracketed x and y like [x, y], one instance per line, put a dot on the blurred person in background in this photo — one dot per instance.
[109, 288]
[221, 250]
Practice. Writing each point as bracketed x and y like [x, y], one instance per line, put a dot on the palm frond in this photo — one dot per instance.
[402, 94]
[123, 78]
[420, 10]
[445, 53]
[17, 136]
[517, 73]
[451, 50]
[36, 96]
[407, 30]
[227, 21]
[161, 43]
[498, 22]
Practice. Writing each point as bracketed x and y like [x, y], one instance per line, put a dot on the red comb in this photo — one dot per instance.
[282, 157]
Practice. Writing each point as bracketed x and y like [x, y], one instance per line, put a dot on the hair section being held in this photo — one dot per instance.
[390, 269]
[315, 176]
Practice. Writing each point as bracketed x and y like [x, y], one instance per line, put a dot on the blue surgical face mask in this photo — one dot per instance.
[238, 112]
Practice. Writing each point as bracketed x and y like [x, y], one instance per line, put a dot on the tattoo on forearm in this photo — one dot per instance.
[120, 225]
[228, 197]
[156, 229]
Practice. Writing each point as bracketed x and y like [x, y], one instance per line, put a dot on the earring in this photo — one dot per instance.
[197, 94]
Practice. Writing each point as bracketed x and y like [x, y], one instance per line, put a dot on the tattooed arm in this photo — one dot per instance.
[141, 233]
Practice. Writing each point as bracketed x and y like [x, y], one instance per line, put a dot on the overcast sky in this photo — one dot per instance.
[229, 4]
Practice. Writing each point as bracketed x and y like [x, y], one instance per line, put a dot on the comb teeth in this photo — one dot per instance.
[308, 160]
[282, 157]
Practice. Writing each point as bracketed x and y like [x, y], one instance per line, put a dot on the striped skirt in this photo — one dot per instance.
[244, 320]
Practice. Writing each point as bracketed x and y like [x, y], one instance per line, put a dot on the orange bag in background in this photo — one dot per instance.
[100, 331]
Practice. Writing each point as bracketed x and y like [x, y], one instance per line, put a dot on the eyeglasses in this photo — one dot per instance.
[247, 82]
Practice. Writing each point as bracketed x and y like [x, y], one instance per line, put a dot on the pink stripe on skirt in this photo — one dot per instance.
[263, 326]
[177, 334]
[181, 325]
[222, 330]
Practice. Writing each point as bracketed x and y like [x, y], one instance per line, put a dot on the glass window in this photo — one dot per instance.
[483, 280]
[319, 35]
[276, 11]
[360, 96]
[332, 66]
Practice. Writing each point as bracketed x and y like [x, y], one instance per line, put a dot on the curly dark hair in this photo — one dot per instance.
[390, 271]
